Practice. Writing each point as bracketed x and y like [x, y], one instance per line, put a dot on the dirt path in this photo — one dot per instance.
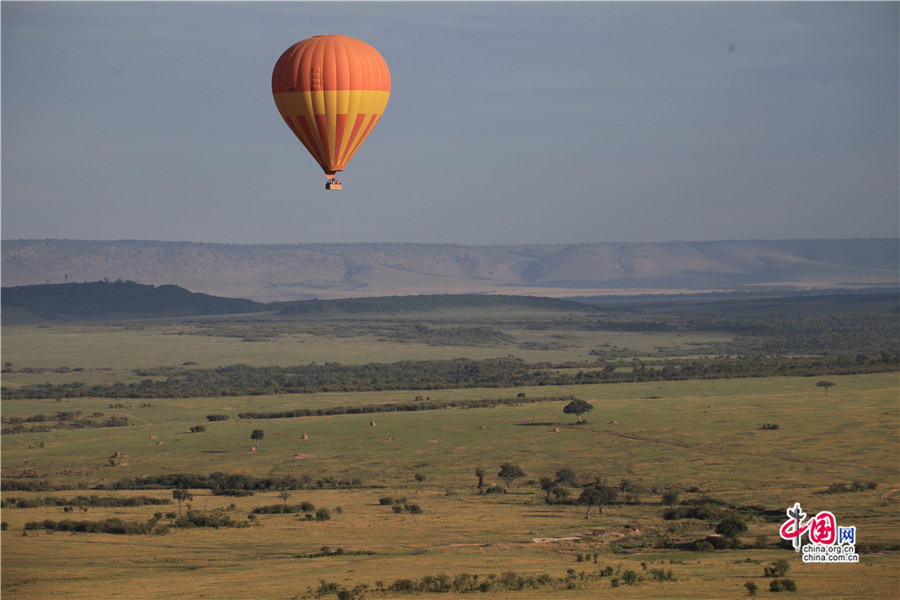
[887, 497]
[144, 421]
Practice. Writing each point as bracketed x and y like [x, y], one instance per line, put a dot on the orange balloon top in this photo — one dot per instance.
[330, 62]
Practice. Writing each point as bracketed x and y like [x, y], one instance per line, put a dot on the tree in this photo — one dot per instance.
[480, 473]
[257, 435]
[566, 476]
[181, 496]
[419, 479]
[731, 527]
[284, 495]
[554, 492]
[825, 385]
[596, 494]
[751, 588]
[548, 485]
[556, 488]
[509, 473]
[577, 407]
[670, 497]
[217, 479]
[779, 568]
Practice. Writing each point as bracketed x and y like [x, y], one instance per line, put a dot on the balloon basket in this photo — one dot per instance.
[333, 185]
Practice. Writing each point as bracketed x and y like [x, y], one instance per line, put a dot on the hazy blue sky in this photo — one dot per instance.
[508, 123]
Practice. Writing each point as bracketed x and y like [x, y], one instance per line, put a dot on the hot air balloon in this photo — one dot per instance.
[331, 90]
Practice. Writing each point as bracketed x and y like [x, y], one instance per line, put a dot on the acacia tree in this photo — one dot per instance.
[555, 493]
[509, 473]
[598, 495]
[566, 476]
[181, 496]
[257, 435]
[578, 407]
[825, 384]
[480, 473]
[556, 488]
[731, 527]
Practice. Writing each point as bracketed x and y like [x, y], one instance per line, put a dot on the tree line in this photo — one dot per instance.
[61, 420]
[246, 380]
[232, 483]
[81, 501]
[416, 405]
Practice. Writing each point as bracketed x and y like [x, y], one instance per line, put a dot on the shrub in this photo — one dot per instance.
[323, 514]
[835, 488]
[731, 527]
[779, 568]
[782, 585]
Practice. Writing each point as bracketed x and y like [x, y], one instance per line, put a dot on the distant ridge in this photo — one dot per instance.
[116, 299]
[304, 271]
[130, 300]
[423, 303]
[127, 300]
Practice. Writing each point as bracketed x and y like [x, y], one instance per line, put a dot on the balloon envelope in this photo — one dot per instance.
[331, 90]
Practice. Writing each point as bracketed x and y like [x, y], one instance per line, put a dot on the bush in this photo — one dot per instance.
[629, 577]
[279, 509]
[323, 514]
[782, 585]
[779, 568]
[731, 527]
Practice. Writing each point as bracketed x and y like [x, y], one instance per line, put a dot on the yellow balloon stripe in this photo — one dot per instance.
[331, 135]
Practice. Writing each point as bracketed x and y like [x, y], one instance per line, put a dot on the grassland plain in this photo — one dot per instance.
[108, 353]
[669, 435]
[705, 436]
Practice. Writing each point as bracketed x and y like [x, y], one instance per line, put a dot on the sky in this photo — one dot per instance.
[508, 123]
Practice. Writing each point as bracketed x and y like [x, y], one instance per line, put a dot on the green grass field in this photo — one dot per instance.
[682, 435]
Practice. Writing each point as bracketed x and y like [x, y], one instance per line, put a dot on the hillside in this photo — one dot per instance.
[114, 299]
[129, 300]
[301, 271]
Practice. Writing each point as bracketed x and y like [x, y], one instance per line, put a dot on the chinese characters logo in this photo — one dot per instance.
[827, 541]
